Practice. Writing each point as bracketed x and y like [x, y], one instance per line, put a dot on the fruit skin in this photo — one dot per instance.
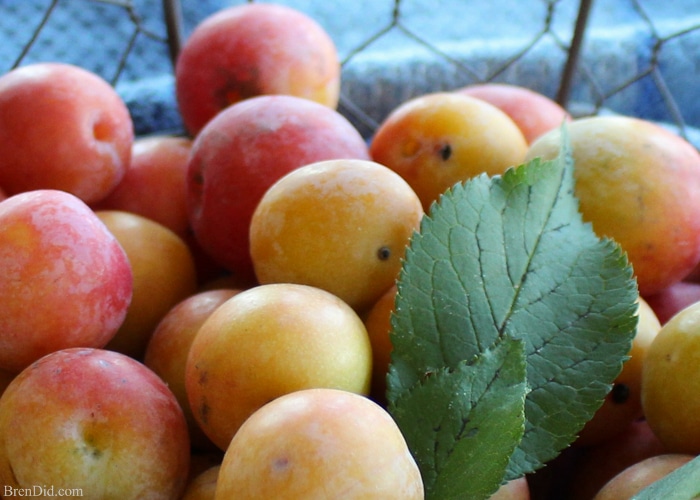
[65, 280]
[163, 274]
[5, 379]
[242, 152]
[378, 324]
[638, 184]
[202, 486]
[97, 420]
[671, 382]
[339, 225]
[597, 464]
[515, 489]
[254, 49]
[154, 185]
[319, 443]
[534, 113]
[63, 128]
[439, 139]
[268, 341]
[674, 298]
[623, 404]
[636, 477]
[169, 345]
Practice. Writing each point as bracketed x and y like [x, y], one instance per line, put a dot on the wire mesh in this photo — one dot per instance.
[636, 57]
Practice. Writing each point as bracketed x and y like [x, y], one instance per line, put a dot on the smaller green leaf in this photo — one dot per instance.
[681, 484]
[476, 419]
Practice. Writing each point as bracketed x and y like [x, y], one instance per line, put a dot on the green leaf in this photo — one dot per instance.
[681, 484]
[470, 420]
[510, 257]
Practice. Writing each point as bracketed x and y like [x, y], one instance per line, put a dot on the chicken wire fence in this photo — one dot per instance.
[635, 57]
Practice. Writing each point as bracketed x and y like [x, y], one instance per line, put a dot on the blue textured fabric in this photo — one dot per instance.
[516, 41]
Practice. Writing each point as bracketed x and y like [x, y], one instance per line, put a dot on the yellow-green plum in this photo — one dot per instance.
[515, 489]
[319, 443]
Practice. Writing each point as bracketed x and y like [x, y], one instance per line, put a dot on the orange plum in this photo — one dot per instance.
[597, 464]
[339, 225]
[636, 477]
[638, 184]
[319, 443]
[203, 485]
[268, 341]
[437, 140]
[623, 404]
[378, 324]
[163, 275]
[168, 347]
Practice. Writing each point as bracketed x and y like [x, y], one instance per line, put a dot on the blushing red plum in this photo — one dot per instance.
[65, 280]
[64, 128]
[93, 420]
[674, 298]
[242, 152]
[533, 112]
[253, 49]
[154, 185]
